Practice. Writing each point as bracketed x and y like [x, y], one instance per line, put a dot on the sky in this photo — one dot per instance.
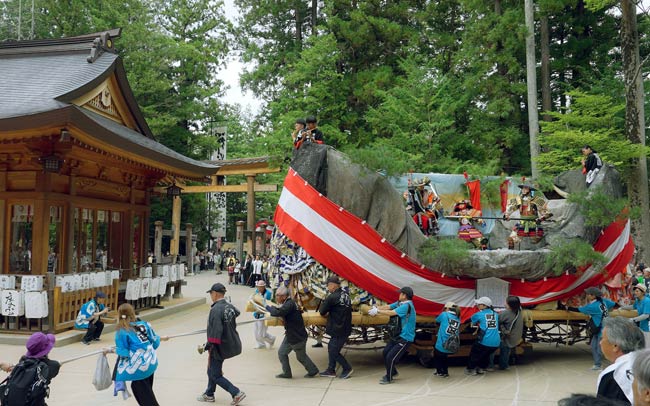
[230, 75]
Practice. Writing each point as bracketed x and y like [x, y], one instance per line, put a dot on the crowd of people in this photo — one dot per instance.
[626, 380]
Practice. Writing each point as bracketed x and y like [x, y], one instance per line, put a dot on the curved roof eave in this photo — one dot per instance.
[108, 132]
[117, 68]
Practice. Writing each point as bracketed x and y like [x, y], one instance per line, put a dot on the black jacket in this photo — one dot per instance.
[609, 389]
[294, 326]
[221, 313]
[339, 308]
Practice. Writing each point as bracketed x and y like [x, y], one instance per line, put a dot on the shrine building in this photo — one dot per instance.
[77, 162]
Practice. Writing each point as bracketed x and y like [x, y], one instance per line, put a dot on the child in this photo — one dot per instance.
[136, 344]
[486, 320]
[448, 324]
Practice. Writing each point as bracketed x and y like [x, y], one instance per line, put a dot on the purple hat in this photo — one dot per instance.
[39, 345]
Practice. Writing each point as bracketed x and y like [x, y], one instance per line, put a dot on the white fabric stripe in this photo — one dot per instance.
[611, 252]
[368, 259]
[397, 276]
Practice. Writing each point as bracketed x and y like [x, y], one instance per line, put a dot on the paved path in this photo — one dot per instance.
[548, 375]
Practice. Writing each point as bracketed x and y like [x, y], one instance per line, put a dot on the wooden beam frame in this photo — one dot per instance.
[242, 188]
[241, 169]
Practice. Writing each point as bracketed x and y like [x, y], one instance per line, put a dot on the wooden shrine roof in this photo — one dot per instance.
[44, 83]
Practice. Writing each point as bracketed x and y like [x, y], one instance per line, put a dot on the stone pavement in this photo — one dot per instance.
[551, 373]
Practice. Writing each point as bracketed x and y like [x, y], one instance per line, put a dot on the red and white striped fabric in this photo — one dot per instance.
[348, 246]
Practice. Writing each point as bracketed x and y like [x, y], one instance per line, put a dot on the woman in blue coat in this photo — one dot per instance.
[135, 345]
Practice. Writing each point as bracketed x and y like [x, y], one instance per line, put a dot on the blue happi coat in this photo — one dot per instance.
[137, 351]
[86, 312]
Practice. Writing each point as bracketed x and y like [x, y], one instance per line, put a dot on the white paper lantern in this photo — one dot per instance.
[85, 281]
[36, 305]
[76, 282]
[129, 290]
[13, 302]
[7, 282]
[155, 287]
[135, 289]
[68, 284]
[166, 271]
[146, 272]
[162, 289]
[31, 283]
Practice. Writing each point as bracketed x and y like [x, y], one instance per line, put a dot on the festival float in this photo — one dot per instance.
[337, 217]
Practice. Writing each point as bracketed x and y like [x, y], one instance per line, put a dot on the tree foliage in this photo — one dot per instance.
[572, 256]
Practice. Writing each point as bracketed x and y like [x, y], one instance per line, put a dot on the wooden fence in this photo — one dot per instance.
[66, 305]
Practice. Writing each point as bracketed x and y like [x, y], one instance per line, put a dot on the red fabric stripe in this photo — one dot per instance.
[346, 268]
[474, 187]
[352, 225]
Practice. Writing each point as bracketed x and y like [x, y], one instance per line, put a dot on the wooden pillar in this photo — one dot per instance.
[240, 239]
[68, 231]
[176, 228]
[40, 236]
[188, 246]
[40, 226]
[250, 210]
[4, 262]
[158, 235]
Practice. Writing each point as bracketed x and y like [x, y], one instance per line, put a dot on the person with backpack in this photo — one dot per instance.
[135, 345]
[597, 309]
[89, 317]
[223, 343]
[398, 346]
[28, 383]
[511, 327]
[337, 307]
[448, 338]
[486, 321]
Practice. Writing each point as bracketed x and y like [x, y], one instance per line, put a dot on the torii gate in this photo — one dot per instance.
[249, 167]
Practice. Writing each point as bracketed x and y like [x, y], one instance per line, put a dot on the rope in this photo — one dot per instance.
[189, 333]
[90, 354]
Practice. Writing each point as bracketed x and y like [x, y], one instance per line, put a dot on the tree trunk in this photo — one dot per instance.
[547, 104]
[531, 83]
[635, 127]
[314, 16]
[298, 26]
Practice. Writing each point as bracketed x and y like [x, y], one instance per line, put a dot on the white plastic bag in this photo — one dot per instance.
[103, 378]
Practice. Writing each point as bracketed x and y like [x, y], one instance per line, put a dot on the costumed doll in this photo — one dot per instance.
[466, 214]
[532, 211]
[421, 202]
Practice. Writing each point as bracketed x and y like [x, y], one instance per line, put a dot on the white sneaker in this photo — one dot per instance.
[259, 346]
[596, 368]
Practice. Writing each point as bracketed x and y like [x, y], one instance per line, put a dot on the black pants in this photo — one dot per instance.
[143, 392]
[334, 348]
[215, 376]
[441, 362]
[393, 352]
[94, 330]
[479, 356]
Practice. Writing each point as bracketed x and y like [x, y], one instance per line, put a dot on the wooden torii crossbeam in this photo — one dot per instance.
[249, 167]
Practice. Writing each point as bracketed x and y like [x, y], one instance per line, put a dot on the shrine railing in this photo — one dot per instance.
[67, 304]
[30, 303]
